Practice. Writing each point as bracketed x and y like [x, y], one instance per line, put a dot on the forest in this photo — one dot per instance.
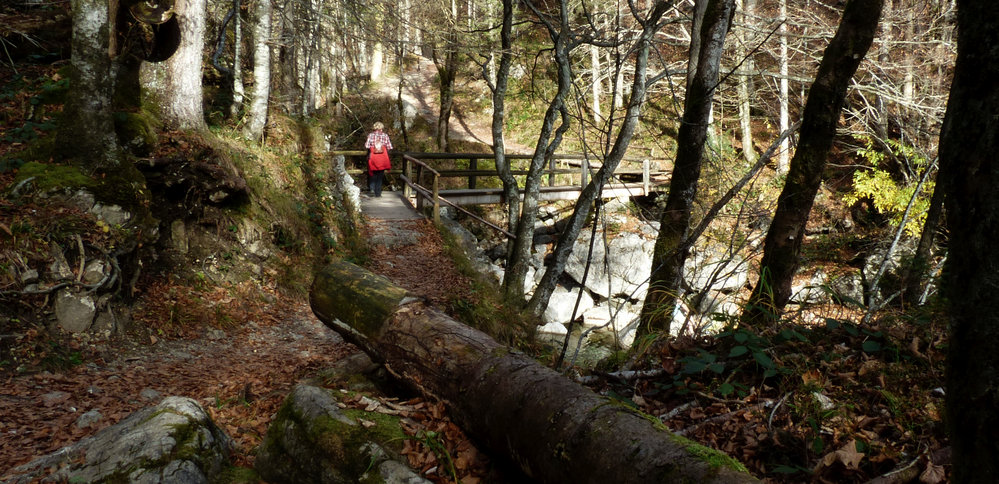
[180, 216]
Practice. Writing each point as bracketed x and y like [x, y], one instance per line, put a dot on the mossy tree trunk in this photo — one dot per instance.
[969, 175]
[86, 129]
[669, 253]
[554, 429]
[826, 97]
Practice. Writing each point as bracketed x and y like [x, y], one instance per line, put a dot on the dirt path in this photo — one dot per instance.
[420, 91]
[240, 377]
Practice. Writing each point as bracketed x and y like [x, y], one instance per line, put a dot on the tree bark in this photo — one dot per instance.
[257, 115]
[783, 160]
[969, 174]
[86, 130]
[748, 9]
[669, 255]
[921, 259]
[237, 60]
[554, 429]
[173, 87]
[822, 111]
[510, 187]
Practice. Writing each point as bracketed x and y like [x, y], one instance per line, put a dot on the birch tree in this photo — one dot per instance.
[173, 87]
[257, 113]
[86, 130]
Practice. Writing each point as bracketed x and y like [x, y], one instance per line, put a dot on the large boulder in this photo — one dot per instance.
[173, 442]
[622, 269]
[562, 302]
[313, 440]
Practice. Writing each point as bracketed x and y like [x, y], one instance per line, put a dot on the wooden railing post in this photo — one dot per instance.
[551, 172]
[584, 173]
[419, 181]
[473, 164]
[407, 171]
[437, 200]
[646, 182]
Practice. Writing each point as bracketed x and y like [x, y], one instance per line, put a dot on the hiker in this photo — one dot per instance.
[378, 145]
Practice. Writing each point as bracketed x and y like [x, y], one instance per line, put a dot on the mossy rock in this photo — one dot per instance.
[46, 177]
[137, 132]
[175, 441]
[312, 439]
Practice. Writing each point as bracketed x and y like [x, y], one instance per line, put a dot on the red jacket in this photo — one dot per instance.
[378, 161]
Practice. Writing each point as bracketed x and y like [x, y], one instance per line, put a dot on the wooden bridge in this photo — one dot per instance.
[564, 178]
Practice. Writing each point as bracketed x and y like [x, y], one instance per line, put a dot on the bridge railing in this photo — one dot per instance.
[473, 173]
[413, 183]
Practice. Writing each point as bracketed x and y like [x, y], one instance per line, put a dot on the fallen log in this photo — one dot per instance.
[552, 428]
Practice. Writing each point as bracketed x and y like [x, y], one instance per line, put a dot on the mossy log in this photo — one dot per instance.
[554, 429]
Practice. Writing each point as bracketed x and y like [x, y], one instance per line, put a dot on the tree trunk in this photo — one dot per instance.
[86, 129]
[554, 429]
[447, 70]
[822, 111]
[921, 259]
[549, 139]
[257, 115]
[668, 256]
[784, 157]
[748, 9]
[237, 61]
[969, 174]
[582, 207]
[510, 187]
[173, 87]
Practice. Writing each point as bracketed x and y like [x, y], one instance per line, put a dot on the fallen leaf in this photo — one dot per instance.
[933, 474]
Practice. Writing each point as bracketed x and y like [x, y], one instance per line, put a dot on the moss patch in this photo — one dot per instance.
[46, 177]
[714, 458]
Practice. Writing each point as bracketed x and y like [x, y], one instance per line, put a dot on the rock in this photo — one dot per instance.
[178, 236]
[616, 323]
[88, 419]
[59, 269]
[715, 302]
[29, 276]
[53, 398]
[149, 395]
[349, 195]
[112, 214]
[551, 333]
[848, 289]
[394, 472]
[720, 272]
[313, 440]
[811, 292]
[562, 302]
[94, 271]
[74, 312]
[623, 269]
[174, 441]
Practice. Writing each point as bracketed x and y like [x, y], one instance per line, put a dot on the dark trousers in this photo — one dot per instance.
[375, 180]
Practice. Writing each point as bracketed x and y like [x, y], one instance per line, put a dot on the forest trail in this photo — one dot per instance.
[420, 91]
[240, 375]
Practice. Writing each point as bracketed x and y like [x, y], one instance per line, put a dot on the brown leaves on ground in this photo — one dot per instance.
[240, 376]
[422, 268]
